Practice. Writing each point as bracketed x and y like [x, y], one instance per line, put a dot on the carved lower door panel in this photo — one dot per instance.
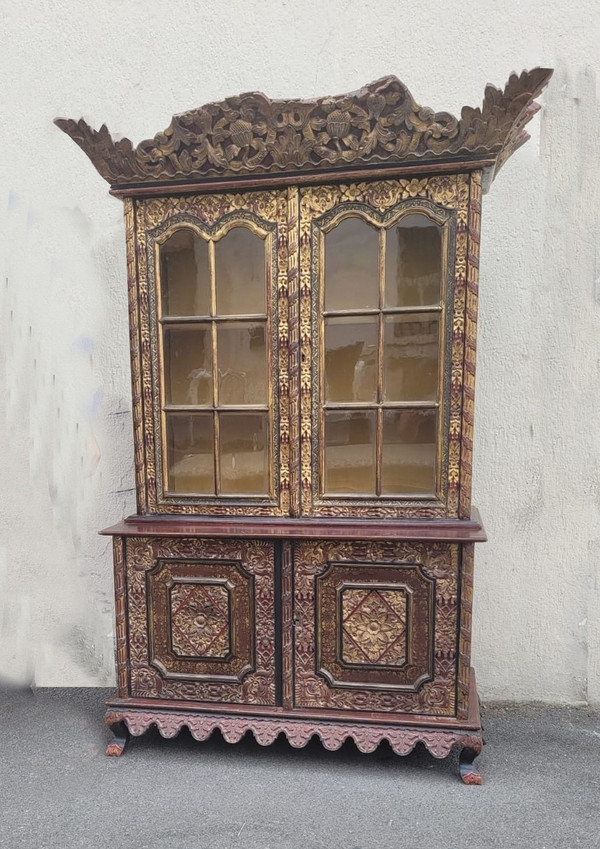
[201, 619]
[376, 626]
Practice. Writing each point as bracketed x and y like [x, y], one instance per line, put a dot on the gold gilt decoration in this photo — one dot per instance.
[381, 124]
[436, 565]
[374, 627]
[200, 620]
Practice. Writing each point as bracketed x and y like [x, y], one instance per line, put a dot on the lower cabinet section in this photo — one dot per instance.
[361, 639]
[350, 626]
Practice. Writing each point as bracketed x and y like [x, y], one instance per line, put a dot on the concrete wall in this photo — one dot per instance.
[66, 458]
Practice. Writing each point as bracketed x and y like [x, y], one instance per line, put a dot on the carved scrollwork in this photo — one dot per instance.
[367, 738]
[381, 124]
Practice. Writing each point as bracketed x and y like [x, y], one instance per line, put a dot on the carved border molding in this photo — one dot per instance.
[379, 125]
[298, 732]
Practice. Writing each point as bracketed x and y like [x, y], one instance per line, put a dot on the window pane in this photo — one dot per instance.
[185, 276]
[244, 446]
[240, 273]
[188, 365]
[351, 359]
[352, 266]
[242, 355]
[350, 452]
[413, 262]
[410, 358]
[190, 453]
[409, 452]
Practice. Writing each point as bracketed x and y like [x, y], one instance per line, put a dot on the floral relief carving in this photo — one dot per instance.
[374, 626]
[437, 561]
[200, 620]
[381, 124]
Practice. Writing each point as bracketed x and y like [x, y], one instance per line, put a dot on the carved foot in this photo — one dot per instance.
[116, 747]
[469, 774]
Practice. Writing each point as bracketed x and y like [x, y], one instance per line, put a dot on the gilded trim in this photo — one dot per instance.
[122, 648]
[464, 634]
[135, 351]
[466, 459]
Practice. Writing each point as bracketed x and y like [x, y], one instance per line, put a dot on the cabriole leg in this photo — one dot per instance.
[115, 747]
[469, 774]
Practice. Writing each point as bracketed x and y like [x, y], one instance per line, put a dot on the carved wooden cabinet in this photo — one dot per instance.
[303, 298]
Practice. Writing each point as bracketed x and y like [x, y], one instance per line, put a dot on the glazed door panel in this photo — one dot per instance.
[376, 626]
[201, 616]
[382, 314]
[210, 305]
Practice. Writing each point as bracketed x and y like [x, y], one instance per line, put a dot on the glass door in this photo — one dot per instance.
[379, 267]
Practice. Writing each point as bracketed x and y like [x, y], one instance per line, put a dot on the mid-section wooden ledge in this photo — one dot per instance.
[439, 530]
[378, 127]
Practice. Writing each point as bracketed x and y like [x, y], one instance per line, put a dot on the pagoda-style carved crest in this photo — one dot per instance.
[380, 125]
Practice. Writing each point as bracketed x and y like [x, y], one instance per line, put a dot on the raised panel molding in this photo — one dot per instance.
[186, 642]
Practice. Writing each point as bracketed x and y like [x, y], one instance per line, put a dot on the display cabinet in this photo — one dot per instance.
[302, 301]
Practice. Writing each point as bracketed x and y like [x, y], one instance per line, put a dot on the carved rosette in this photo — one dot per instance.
[379, 125]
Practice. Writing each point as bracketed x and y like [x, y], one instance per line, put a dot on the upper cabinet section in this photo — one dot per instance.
[303, 299]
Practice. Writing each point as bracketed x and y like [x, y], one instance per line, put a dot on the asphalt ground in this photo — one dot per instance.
[541, 771]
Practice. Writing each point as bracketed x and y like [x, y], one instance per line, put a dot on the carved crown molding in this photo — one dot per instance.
[379, 125]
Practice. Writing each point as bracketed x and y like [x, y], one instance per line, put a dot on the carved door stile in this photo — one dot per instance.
[287, 624]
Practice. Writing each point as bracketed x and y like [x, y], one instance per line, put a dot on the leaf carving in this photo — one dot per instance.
[381, 124]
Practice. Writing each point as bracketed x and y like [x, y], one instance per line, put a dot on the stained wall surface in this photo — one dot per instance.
[65, 417]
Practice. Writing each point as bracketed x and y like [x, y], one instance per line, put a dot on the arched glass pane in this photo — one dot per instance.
[413, 262]
[188, 365]
[184, 275]
[352, 266]
[240, 275]
[410, 357]
[408, 452]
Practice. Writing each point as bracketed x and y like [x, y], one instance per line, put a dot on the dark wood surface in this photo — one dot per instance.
[440, 530]
[471, 723]
[243, 183]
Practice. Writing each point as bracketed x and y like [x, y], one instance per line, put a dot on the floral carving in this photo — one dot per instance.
[379, 124]
[313, 559]
[374, 626]
[200, 620]
[256, 557]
